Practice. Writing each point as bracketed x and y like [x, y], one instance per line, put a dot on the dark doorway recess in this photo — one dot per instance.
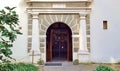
[59, 42]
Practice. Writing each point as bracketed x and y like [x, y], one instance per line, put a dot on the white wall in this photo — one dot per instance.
[20, 45]
[105, 44]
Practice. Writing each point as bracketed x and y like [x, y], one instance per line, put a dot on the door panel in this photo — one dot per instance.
[59, 44]
[63, 50]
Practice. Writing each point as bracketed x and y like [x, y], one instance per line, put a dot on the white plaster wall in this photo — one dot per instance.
[20, 45]
[105, 44]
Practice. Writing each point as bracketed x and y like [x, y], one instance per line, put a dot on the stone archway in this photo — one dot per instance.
[59, 42]
[71, 20]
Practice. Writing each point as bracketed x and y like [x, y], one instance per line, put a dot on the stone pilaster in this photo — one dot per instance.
[83, 41]
[35, 38]
[83, 54]
[35, 32]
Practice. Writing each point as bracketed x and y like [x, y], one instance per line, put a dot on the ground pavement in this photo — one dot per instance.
[68, 66]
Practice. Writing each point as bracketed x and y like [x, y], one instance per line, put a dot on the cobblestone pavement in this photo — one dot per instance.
[68, 66]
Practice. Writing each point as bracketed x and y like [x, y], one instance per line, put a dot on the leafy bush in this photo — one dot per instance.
[104, 68]
[8, 31]
[40, 62]
[76, 62]
[17, 67]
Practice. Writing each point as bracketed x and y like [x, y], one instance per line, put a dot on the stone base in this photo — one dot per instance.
[84, 57]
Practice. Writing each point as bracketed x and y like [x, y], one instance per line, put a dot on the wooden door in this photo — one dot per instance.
[59, 45]
[59, 42]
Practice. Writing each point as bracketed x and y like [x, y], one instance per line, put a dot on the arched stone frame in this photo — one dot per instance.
[72, 20]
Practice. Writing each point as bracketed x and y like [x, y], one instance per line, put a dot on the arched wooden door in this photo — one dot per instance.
[59, 42]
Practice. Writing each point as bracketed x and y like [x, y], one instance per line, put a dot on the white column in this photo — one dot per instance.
[35, 33]
[83, 41]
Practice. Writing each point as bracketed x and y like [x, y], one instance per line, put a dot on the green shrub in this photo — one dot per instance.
[104, 68]
[76, 62]
[17, 67]
[8, 32]
[40, 62]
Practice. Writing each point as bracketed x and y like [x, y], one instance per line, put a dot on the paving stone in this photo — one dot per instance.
[68, 66]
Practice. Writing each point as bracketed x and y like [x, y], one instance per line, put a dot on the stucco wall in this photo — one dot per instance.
[105, 44]
[20, 46]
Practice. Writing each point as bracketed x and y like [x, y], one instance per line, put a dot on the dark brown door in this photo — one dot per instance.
[59, 43]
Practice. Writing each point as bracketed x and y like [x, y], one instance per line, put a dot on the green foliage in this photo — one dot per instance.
[17, 67]
[8, 31]
[40, 62]
[104, 68]
[76, 62]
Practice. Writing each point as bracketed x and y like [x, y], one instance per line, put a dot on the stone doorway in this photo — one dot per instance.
[59, 42]
[75, 14]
